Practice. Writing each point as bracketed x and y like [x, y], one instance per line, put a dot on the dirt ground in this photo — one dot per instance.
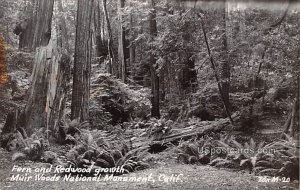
[190, 177]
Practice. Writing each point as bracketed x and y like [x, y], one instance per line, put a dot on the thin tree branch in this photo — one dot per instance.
[281, 19]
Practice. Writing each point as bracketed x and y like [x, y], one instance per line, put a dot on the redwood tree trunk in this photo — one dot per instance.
[132, 43]
[42, 33]
[63, 27]
[82, 61]
[121, 48]
[224, 63]
[112, 67]
[26, 28]
[35, 110]
[35, 31]
[155, 112]
[61, 73]
[97, 25]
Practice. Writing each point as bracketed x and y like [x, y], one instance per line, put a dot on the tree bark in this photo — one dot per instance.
[36, 112]
[112, 67]
[121, 47]
[25, 29]
[82, 61]
[42, 33]
[155, 111]
[46, 96]
[224, 63]
[60, 73]
[97, 25]
[35, 30]
[132, 43]
[63, 27]
[298, 104]
[296, 129]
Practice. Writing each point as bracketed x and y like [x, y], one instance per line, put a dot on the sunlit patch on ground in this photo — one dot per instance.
[3, 68]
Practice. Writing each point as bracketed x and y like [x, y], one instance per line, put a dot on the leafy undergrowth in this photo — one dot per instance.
[34, 147]
[91, 154]
[87, 149]
[116, 100]
[102, 149]
[279, 158]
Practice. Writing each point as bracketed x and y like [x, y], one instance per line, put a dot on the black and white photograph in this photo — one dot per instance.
[149, 94]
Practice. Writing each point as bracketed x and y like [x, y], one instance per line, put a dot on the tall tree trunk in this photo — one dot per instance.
[121, 47]
[35, 30]
[97, 25]
[82, 61]
[155, 112]
[132, 43]
[224, 63]
[46, 97]
[25, 29]
[297, 127]
[42, 33]
[60, 74]
[35, 110]
[298, 94]
[63, 27]
[298, 105]
[112, 67]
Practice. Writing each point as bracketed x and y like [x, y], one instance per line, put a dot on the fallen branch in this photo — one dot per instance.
[200, 129]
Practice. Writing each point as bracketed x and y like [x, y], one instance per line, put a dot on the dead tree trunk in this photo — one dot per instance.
[60, 76]
[35, 112]
[82, 61]
[155, 112]
[47, 92]
[46, 97]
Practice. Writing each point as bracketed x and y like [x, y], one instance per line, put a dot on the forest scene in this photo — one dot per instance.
[149, 94]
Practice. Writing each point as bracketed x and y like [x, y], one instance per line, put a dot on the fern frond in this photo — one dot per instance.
[252, 144]
[237, 144]
[18, 156]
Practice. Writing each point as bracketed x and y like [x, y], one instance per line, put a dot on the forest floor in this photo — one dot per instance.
[189, 177]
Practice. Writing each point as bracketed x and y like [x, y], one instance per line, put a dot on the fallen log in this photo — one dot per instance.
[196, 130]
[177, 134]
